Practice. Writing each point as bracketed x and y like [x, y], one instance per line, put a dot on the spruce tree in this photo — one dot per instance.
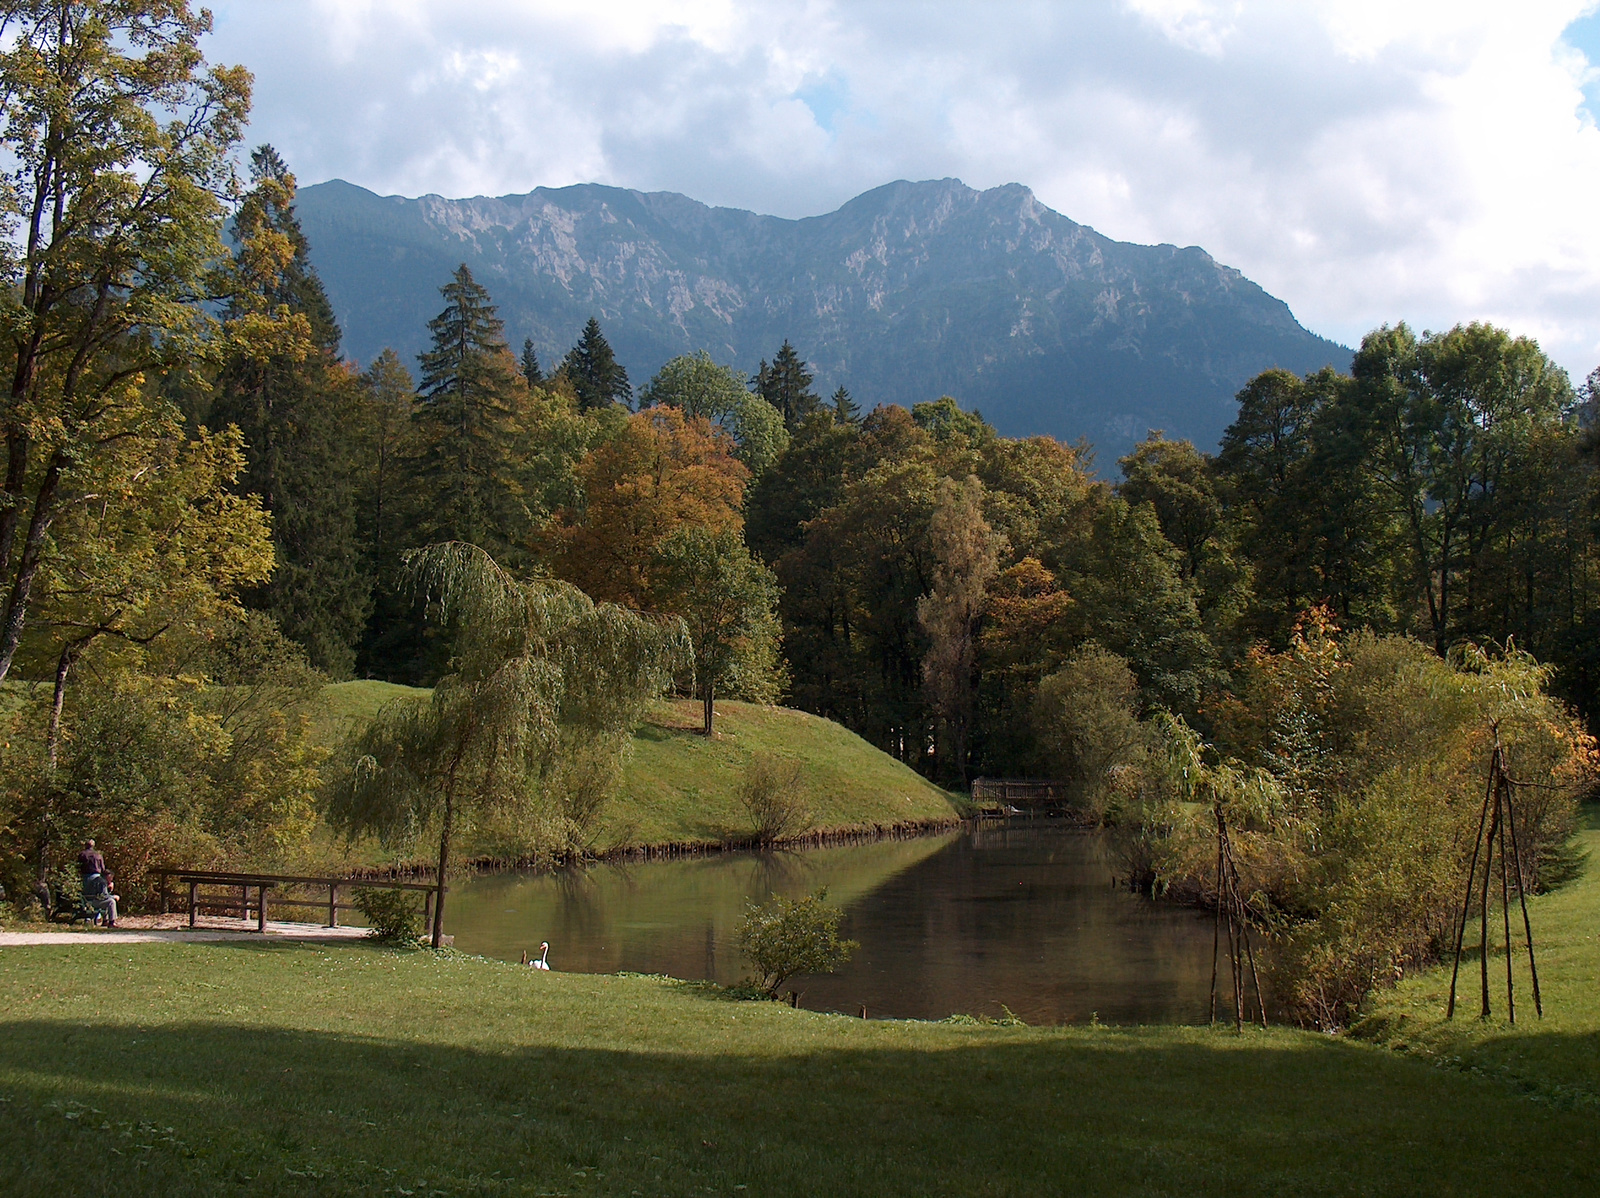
[294, 402]
[468, 426]
[845, 409]
[598, 379]
[786, 385]
[530, 364]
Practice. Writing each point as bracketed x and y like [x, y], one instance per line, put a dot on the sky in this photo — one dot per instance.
[1367, 161]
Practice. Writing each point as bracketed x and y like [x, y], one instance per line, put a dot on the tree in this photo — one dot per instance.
[469, 430]
[845, 409]
[297, 404]
[784, 937]
[1132, 599]
[1175, 479]
[116, 137]
[786, 385]
[662, 471]
[541, 674]
[388, 397]
[169, 548]
[1451, 417]
[966, 556]
[1087, 720]
[530, 364]
[698, 386]
[597, 378]
[726, 598]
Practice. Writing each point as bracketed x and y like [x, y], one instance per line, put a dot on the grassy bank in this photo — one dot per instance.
[201, 1069]
[1556, 1058]
[680, 788]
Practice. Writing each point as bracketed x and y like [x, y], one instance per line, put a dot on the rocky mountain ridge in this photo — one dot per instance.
[905, 293]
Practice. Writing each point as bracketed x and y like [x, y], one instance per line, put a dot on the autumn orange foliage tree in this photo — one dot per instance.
[663, 471]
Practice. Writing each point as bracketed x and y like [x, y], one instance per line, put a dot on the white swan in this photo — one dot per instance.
[544, 952]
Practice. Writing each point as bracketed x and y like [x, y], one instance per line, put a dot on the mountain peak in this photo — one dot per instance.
[906, 292]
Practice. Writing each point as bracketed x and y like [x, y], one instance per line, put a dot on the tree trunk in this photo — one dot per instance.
[708, 698]
[444, 864]
[16, 608]
[69, 656]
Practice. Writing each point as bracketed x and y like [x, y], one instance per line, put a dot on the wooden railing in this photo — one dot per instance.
[235, 887]
[1024, 794]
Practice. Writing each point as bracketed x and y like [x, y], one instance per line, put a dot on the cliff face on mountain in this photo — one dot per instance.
[906, 293]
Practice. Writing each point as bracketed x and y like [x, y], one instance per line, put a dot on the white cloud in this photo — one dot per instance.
[1365, 160]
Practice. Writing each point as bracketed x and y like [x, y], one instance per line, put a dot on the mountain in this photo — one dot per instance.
[906, 293]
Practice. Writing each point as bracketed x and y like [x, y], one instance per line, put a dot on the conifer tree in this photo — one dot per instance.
[468, 427]
[845, 409]
[294, 401]
[597, 378]
[530, 364]
[786, 385]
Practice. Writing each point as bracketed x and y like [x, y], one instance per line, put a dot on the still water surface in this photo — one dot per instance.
[1021, 915]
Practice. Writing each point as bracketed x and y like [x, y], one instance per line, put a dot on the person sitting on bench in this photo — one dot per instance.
[99, 892]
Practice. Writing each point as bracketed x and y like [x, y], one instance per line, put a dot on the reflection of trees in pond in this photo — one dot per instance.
[782, 871]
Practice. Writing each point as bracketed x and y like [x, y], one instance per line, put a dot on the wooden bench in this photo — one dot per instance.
[232, 881]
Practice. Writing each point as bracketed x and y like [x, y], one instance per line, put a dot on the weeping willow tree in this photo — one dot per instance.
[530, 724]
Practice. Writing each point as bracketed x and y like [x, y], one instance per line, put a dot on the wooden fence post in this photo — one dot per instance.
[333, 904]
[192, 885]
[261, 907]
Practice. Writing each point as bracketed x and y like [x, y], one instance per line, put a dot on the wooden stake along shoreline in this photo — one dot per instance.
[1240, 951]
[1498, 814]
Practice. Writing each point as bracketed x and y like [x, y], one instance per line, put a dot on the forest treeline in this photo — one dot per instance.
[207, 511]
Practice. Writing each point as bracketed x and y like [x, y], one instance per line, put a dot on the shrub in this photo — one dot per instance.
[784, 937]
[391, 914]
[770, 795]
[1087, 722]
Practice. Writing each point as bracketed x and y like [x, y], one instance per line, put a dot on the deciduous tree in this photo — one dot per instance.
[116, 138]
[661, 472]
[726, 598]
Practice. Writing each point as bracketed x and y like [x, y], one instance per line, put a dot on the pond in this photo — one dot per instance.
[1020, 915]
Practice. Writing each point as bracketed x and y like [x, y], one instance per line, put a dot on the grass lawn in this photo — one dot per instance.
[1556, 1058]
[680, 788]
[252, 1069]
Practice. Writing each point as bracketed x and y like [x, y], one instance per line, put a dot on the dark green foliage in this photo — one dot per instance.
[845, 409]
[786, 385]
[597, 378]
[298, 408]
[392, 915]
[783, 938]
[1176, 479]
[1132, 598]
[468, 428]
[530, 364]
[808, 477]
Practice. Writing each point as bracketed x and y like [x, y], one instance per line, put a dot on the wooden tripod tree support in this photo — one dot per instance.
[1498, 816]
[1240, 950]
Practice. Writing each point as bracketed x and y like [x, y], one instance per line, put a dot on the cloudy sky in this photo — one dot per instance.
[1366, 160]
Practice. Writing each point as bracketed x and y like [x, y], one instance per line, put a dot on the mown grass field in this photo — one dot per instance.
[281, 1069]
[680, 788]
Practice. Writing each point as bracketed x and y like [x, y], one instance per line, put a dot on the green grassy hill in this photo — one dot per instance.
[680, 788]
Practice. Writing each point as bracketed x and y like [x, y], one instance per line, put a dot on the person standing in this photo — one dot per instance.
[90, 861]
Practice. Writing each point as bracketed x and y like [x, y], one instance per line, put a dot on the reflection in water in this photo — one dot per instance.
[1020, 914]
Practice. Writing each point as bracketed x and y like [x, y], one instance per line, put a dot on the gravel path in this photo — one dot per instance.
[212, 929]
